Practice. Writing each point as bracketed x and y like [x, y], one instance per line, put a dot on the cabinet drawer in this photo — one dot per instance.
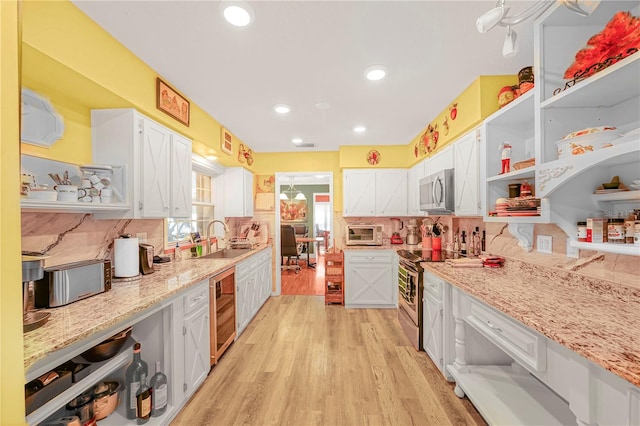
[433, 285]
[522, 344]
[370, 257]
[196, 297]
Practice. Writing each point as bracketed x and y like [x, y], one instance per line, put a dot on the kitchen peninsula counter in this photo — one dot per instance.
[596, 319]
[78, 321]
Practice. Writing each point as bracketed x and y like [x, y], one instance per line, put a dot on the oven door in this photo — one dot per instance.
[409, 305]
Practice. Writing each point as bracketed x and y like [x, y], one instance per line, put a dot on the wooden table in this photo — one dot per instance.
[306, 241]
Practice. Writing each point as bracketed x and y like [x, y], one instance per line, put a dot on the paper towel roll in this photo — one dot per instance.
[125, 257]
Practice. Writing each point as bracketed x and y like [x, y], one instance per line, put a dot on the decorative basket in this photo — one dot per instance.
[524, 164]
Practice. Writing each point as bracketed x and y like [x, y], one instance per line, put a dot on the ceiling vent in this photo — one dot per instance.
[305, 145]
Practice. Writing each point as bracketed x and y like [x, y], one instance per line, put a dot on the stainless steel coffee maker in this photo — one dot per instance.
[412, 233]
[32, 270]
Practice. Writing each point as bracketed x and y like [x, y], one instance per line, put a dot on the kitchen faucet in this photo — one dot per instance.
[209, 226]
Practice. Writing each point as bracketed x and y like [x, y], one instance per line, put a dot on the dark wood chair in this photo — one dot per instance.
[288, 249]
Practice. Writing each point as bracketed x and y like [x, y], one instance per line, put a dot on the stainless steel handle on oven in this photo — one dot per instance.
[493, 327]
[438, 183]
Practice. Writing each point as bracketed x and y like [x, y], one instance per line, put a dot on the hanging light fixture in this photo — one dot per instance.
[288, 194]
[499, 16]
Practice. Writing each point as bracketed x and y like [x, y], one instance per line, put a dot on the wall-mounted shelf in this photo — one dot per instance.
[40, 169]
[627, 249]
[605, 201]
[528, 173]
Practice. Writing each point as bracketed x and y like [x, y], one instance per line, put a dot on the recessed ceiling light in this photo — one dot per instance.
[282, 108]
[237, 13]
[323, 105]
[376, 72]
[211, 157]
[359, 129]
[296, 140]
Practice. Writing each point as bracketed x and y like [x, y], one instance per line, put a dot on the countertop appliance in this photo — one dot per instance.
[146, 259]
[364, 234]
[32, 270]
[222, 313]
[437, 193]
[412, 233]
[397, 225]
[68, 283]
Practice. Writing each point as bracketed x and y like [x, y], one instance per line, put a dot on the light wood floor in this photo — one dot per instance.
[301, 362]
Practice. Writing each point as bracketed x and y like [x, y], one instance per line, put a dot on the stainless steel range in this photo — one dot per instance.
[410, 287]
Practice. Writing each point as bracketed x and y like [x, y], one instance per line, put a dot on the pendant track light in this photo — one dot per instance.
[499, 16]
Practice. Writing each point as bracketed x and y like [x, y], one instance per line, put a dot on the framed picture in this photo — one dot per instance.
[172, 103]
[293, 211]
[226, 142]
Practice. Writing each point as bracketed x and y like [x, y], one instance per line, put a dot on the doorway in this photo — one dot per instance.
[293, 183]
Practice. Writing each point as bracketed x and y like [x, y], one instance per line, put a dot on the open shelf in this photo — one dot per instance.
[70, 207]
[504, 396]
[627, 249]
[100, 370]
[528, 173]
[602, 89]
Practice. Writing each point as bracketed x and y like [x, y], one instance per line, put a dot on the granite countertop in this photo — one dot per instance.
[74, 322]
[597, 319]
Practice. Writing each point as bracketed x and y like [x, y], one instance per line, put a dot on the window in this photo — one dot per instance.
[203, 204]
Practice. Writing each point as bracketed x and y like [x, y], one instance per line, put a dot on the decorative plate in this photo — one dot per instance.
[373, 157]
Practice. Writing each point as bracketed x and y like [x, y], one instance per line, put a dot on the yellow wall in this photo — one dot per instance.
[11, 353]
[75, 63]
[473, 105]
[270, 163]
[391, 156]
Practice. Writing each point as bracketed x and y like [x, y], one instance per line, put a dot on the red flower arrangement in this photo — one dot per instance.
[619, 38]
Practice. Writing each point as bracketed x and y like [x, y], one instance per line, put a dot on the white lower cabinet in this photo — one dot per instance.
[370, 279]
[253, 287]
[539, 381]
[195, 340]
[437, 322]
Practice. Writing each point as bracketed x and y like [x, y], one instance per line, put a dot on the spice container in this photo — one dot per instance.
[629, 228]
[615, 232]
[636, 233]
[582, 231]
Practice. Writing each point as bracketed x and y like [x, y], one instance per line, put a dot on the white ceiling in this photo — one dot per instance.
[304, 52]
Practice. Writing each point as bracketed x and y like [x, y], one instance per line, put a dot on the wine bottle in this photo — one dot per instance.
[134, 372]
[143, 401]
[463, 243]
[159, 392]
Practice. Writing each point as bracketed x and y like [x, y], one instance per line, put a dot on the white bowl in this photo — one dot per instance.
[589, 142]
[636, 182]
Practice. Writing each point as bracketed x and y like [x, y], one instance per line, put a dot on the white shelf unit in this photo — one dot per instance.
[627, 249]
[512, 397]
[41, 167]
[538, 120]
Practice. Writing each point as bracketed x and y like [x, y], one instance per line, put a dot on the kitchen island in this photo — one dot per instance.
[156, 305]
[585, 343]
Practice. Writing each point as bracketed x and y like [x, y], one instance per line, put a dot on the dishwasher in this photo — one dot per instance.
[222, 294]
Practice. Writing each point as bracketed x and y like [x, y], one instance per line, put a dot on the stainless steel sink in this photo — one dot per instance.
[227, 253]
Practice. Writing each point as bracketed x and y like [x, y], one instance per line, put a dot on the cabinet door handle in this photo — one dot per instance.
[493, 327]
[197, 299]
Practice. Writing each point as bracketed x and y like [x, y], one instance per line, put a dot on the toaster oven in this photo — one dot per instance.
[68, 283]
[364, 234]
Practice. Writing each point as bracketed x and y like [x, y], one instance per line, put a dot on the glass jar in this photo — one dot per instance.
[582, 231]
[616, 231]
[636, 234]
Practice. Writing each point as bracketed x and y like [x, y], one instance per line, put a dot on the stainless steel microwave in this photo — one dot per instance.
[437, 193]
[364, 234]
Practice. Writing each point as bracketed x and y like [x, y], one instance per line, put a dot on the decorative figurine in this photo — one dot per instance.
[505, 147]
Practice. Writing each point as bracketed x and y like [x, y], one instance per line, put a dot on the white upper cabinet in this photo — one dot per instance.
[391, 192]
[238, 192]
[181, 174]
[381, 192]
[414, 175]
[440, 161]
[359, 191]
[466, 151]
[158, 178]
